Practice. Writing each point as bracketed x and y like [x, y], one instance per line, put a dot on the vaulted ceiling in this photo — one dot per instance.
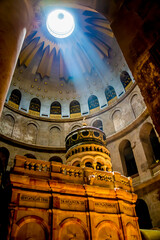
[72, 68]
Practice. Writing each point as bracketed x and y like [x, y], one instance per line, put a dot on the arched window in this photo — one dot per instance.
[35, 106]
[142, 212]
[98, 124]
[4, 157]
[76, 164]
[110, 94]
[99, 166]
[75, 108]
[55, 159]
[55, 110]
[150, 143]
[88, 164]
[29, 155]
[93, 102]
[127, 157]
[15, 98]
[125, 79]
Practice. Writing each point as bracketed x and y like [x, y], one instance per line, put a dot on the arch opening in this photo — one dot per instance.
[98, 124]
[89, 165]
[55, 159]
[128, 159]
[143, 215]
[150, 143]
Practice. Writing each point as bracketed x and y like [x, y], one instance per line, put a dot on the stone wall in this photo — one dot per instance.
[41, 131]
[44, 139]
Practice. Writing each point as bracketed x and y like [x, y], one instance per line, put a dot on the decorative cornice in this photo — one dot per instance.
[28, 146]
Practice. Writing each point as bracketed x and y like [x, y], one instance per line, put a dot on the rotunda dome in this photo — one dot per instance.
[70, 65]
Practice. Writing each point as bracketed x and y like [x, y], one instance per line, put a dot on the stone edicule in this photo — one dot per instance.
[66, 202]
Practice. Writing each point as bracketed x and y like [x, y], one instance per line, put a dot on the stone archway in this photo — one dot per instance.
[127, 158]
[150, 143]
[73, 229]
[143, 215]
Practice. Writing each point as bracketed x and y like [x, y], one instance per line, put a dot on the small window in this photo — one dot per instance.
[75, 107]
[99, 166]
[110, 93]
[35, 105]
[125, 79]
[93, 102]
[88, 164]
[98, 124]
[55, 108]
[15, 98]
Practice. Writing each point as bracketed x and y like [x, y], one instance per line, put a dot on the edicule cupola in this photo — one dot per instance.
[86, 147]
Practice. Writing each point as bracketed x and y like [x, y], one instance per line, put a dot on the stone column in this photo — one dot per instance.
[141, 162]
[14, 20]
[94, 166]
[82, 165]
[137, 30]
[104, 168]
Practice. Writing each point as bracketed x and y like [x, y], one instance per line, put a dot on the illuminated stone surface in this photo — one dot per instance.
[136, 29]
[95, 204]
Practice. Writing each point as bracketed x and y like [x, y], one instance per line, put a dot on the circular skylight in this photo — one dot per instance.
[60, 23]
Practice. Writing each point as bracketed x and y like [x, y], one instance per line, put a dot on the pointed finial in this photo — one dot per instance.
[84, 123]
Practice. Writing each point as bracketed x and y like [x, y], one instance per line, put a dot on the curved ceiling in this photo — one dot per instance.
[73, 68]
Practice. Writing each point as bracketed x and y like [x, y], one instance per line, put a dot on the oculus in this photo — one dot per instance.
[60, 23]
